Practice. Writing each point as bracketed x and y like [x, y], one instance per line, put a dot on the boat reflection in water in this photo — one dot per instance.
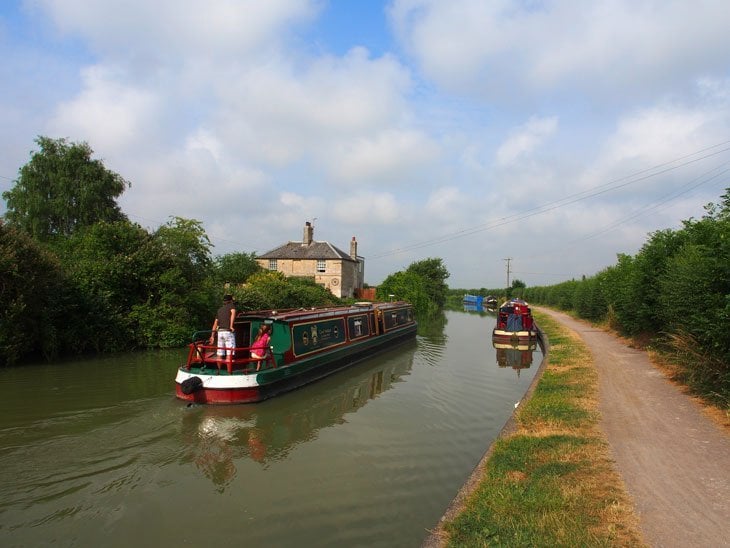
[482, 309]
[517, 356]
[218, 436]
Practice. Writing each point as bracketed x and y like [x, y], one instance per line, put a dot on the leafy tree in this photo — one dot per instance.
[408, 286]
[433, 274]
[188, 246]
[236, 268]
[305, 292]
[116, 266]
[33, 293]
[139, 290]
[269, 289]
[61, 189]
[516, 289]
[188, 286]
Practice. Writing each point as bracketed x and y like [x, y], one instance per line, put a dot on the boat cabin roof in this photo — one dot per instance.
[508, 306]
[290, 314]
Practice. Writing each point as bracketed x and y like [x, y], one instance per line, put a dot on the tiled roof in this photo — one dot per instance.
[315, 250]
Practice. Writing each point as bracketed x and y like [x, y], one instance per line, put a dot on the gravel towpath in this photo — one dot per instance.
[674, 460]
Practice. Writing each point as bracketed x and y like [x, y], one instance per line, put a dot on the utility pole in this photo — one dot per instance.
[508, 261]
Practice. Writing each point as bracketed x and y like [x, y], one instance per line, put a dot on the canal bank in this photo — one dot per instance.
[549, 478]
[673, 458]
[655, 471]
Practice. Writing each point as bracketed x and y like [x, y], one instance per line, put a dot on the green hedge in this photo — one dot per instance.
[676, 289]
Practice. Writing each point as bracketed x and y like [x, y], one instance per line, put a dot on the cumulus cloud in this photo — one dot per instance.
[448, 205]
[273, 110]
[107, 113]
[526, 138]
[366, 208]
[658, 139]
[145, 31]
[238, 114]
[386, 157]
[501, 48]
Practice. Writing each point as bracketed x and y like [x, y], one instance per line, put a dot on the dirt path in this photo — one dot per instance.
[674, 460]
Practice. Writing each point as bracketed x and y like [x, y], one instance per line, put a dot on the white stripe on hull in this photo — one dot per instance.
[509, 334]
[220, 382]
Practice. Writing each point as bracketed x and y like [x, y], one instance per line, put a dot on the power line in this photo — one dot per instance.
[698, 181]
[633, 178]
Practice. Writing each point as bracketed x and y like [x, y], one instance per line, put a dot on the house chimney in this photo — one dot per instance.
[353, 248]
[308, 233]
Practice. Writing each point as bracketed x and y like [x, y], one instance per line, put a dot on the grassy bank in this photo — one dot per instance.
[551, 482]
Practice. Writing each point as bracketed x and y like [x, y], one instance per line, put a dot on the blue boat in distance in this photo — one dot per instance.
[477, 300]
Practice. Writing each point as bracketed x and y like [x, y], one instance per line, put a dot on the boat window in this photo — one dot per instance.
[397, 317]
[358, 326]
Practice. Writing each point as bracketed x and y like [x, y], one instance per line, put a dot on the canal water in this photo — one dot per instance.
[100, 453]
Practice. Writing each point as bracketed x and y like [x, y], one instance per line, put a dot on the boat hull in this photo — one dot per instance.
[515, 344]
[519, 337]
[222, 388]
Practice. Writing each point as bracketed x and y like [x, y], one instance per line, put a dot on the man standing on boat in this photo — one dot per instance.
[223, 325]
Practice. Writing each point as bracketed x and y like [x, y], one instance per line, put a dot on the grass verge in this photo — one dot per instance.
[551, 482]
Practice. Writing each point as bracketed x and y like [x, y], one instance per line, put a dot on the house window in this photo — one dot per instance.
[272, 264]
[321, 265]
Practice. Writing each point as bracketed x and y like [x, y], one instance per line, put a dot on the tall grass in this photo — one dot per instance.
[708, 375]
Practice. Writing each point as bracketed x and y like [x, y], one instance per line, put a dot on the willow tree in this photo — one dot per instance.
[61, 190]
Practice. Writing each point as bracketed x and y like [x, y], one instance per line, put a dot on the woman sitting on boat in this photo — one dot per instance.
[260, 344]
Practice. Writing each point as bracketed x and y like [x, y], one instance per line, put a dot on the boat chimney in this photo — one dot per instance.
[353, 248]
[308, 233]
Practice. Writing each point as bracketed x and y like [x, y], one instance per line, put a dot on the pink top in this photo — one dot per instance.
[260, 345]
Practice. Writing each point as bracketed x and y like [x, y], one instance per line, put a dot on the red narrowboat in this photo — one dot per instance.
[514, 323]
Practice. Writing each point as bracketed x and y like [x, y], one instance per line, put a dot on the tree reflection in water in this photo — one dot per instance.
[218, 436]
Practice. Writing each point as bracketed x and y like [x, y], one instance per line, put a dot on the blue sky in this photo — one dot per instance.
[557, 134]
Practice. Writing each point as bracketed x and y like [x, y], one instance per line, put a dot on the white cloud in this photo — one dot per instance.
[657, 138]
[447, 206]
[238, 113]
[272, 111]
[366, 208]
[148, 32]
[504, 48]
[526, 138]
[386, 157]
[107, 113]
[205, 140]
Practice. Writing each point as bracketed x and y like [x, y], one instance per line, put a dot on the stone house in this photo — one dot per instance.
[341, 273]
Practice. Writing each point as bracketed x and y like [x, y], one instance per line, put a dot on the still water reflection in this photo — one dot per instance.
[100, 453]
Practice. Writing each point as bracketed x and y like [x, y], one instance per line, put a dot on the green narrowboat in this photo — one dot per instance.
[306, 344]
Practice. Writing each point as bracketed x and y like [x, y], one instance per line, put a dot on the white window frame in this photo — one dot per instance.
[273, 264]
[321, 265]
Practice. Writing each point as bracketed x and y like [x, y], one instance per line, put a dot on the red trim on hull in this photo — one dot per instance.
[222, 396]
